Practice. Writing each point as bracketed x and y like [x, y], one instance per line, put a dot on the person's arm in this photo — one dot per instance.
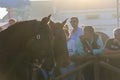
[101, 47]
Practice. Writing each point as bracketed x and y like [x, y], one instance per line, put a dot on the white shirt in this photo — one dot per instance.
[71, 47]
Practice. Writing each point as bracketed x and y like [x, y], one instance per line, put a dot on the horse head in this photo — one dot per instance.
[60, 43]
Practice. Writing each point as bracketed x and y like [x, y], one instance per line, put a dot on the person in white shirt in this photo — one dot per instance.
[70, 43]
[76, 31]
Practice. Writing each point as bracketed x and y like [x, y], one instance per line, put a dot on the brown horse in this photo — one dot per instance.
[23, 43]
[60, 46]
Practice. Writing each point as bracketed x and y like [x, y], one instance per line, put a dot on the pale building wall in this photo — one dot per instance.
[104, 20]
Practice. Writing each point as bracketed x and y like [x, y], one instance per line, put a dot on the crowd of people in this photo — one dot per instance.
[85, 41]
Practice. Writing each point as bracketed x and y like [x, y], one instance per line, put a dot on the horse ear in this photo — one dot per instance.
[49, 16]
[46, 19]
[64, 22]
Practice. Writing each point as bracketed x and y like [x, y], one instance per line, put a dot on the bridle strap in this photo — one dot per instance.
[52, 44]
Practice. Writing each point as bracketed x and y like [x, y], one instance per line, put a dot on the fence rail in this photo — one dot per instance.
[104, 61]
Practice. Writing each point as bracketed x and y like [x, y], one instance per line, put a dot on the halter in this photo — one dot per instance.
[37, 36]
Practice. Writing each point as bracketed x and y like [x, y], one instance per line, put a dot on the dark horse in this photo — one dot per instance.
[25, 42]
[60, 44]
[21, 44]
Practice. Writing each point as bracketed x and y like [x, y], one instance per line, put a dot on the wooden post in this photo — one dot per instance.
[96, 70]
